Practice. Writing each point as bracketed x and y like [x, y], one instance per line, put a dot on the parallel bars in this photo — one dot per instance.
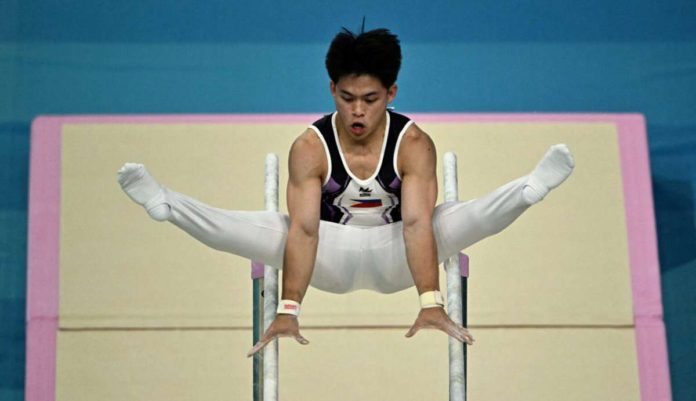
[265, 282]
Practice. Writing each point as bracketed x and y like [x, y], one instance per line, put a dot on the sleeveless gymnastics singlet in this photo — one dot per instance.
[345, 198]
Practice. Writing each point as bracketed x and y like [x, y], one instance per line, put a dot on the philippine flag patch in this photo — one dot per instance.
[366, 203]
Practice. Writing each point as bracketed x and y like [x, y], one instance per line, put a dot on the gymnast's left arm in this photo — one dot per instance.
[417, 161]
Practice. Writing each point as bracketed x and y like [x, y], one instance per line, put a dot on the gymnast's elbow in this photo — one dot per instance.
[417, 224]
[305, 229]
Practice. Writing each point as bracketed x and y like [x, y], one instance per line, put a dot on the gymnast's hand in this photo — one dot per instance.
[436, 318]
[283, 326]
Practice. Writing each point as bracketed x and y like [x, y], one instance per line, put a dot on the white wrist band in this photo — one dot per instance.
[288, 307]
[432, 299]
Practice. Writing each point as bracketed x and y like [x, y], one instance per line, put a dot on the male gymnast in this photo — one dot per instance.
[361, 199]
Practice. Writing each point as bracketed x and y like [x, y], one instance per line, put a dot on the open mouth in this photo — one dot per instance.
[357, 128]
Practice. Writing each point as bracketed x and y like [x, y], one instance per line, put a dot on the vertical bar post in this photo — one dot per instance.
[257, 271]
[457, 384]
[464, 272]
[270, 291]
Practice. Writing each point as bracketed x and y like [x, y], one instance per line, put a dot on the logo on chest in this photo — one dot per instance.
[366, 203]
[364, 192]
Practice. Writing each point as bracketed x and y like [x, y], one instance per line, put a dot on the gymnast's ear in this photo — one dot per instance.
[391, 93]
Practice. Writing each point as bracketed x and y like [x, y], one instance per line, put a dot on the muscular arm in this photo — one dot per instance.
[417, 161]
[307, 166]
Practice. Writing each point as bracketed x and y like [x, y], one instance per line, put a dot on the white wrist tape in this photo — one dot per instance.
[288, 307]
[432, 299]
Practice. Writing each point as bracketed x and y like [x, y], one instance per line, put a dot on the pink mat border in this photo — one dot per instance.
[43, 259]
[44, 235]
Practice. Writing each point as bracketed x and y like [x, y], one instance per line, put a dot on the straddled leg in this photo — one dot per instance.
[258, 236]
[462, 224]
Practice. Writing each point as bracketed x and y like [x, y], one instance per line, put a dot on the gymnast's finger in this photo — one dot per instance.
[458, 336]
[259, 346]
[414, 329]
[301, 339]
[469, 338]
[465, 338]
[462, 334]
[452, 329]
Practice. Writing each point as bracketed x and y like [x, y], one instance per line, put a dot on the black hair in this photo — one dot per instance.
[376, 52]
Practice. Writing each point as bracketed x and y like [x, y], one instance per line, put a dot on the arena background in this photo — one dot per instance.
[188, 57]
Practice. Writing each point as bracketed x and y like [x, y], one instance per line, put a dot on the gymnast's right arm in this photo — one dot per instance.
[307, 166]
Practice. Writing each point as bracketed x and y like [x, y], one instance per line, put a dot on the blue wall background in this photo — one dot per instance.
[186, 56]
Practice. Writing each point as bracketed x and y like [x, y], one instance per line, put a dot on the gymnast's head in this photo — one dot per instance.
[374, 53]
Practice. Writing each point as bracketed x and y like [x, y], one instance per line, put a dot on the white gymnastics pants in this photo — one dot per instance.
[348, 257]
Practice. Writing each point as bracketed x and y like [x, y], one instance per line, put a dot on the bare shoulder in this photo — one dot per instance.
[416, 151]
[308, 142]
[307, 156]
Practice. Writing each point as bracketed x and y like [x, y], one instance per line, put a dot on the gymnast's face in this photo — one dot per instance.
[361, 103]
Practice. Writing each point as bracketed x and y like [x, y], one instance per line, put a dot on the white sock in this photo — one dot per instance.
[552, 170]
[140, 186]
